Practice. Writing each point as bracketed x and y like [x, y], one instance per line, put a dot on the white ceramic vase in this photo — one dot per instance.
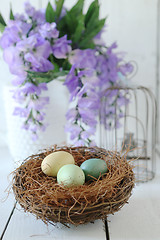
[19, 140]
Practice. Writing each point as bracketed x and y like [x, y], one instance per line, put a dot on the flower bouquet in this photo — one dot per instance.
[43, 45]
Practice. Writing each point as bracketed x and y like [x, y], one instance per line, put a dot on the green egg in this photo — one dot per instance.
[71, 175]
[93, 168]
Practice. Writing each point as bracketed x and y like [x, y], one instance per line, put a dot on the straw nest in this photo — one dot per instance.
[42, 196]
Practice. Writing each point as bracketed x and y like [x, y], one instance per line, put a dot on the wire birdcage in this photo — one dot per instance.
[128, 123]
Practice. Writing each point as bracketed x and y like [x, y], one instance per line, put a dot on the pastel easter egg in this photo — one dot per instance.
[54, 161]
[70, 176]
[93, 168]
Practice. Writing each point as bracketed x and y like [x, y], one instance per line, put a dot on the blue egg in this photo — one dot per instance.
[94, 168]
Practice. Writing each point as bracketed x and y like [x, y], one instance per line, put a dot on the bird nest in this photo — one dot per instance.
[42, 196]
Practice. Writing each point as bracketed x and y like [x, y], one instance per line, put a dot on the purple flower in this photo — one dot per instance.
[23, 27]
[113, 46]
[27, 44]
[42, 49]
[27, 89]
[30, 88]
[18, 95]
[74, 130]
[13, 33]
[12, 57]
[38, 16]
[40, 116]
[18, 80]
[9, 37]
[87, 82]
[88, 133]
[46, 65]
[35, 53]
[98, 38]
[43, 86]
[126, 68]
[71, 114]
[20, 17]
[38, 64]
[30, 10]
[72, 81]
[79, 142]
[34, 135]
[48, 30]
[61, 47]
[30, 58]
[38, 104]
[25, 126]
[92, 81]
[89, 103]
[88, 117]
[122, 101]
[32, 44]
[22, 112]
[77, 57]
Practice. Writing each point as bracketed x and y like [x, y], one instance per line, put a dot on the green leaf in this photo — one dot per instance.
[66, 65]
[47, 76]
[2, 20]
[90, 11]
[52, 60]
[79, 30]
[62, 27]
[2, 27]
[50, 13]
[91, 33]
[77, 8]
[11, 16]
[68, 24]
[87, 44]
[71, 23]
[96, 27]
[59, 5]
[56, 67]
[94, 18]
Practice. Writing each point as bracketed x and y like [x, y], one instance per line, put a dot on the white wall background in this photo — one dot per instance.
[132, 24]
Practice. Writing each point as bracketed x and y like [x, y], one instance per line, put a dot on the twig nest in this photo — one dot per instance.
[77, 204]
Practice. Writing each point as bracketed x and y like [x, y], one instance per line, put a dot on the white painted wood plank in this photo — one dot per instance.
[140, 219]
[24, 226]
[6, 205]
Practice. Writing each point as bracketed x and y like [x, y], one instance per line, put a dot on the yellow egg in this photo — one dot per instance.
[54, 161]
